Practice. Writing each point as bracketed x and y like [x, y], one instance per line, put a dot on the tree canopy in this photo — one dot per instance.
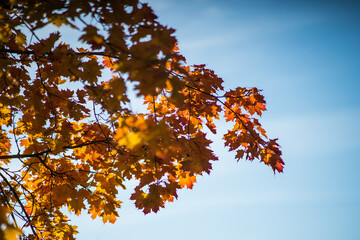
[70, 137]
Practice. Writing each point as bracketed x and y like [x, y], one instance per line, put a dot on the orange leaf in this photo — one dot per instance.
[187, 181]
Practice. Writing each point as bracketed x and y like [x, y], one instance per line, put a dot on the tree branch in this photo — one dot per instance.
[51, 53]
[20, 203]
[49, 151]
[228, 107]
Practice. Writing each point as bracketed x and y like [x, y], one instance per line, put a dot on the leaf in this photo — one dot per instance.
[95, 212]
[109, 218]
[187, 180]
[20, 40]
[76, 204]
[8, 231]
[11, 233]
[92, 37]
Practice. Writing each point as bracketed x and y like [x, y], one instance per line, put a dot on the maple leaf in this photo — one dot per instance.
[8, 231]
[109, 218]
[187, 180]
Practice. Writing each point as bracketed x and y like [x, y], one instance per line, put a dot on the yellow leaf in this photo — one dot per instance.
[20, 40]
[4, 114]
[94, 211]
[11, 233]
[130, 140]
[109, 218]
[187, 180]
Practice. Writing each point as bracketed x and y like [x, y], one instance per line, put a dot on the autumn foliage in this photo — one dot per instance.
[71, 136]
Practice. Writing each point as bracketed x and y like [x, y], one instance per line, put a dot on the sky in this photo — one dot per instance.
[305, 56]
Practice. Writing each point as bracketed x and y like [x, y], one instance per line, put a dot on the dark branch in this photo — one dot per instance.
[230, 109]
[24, 155]
[49, 151]
[20, 203]
[51, 53]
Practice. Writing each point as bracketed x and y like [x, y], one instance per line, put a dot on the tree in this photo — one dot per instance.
[70, 137]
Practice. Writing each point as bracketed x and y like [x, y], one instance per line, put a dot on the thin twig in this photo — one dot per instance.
[230, 109]
[20, 203]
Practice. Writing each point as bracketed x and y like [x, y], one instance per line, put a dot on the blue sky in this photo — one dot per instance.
[305, 55]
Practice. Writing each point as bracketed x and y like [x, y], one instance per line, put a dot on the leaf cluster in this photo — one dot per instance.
[69, 136]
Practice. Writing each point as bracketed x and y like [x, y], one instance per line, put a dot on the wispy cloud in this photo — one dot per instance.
[240, 31]
[318, 134]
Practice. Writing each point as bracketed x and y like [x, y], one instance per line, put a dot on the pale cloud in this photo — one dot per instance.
[239, 30]
[319, 133]
[212, 12]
